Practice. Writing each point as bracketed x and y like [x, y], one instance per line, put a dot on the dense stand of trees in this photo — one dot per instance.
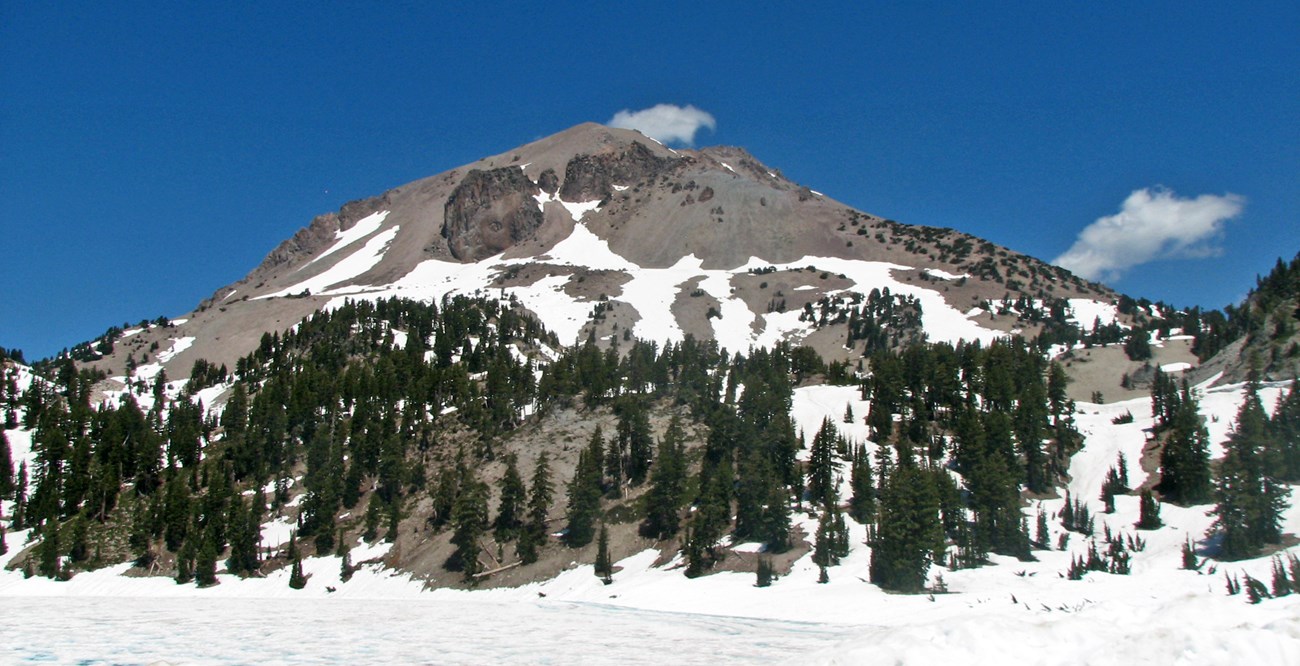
[378, 406]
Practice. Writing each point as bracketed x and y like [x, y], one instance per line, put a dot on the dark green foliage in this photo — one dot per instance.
[245, 535]
[1249, 497]
[821, 465]
[1256, 591]
[583, 506]
[1138, 345]
[533, 535]
[510, 510]
[862, 504]
[1285, 430]
[297, 580]
[667, 491]
[1150, 512]
[6, 467]
[469, 521]
[205, 561]
[1189, 556]
[49, 550]
[1282, 585]
[1185, 458]
[832, 540]
[604, 565]
[1234, 587]
[1075, 516]
[700, 552]
[634, 438]
[185, 564]
[764, 573]
[908, 531]
[1115, 483]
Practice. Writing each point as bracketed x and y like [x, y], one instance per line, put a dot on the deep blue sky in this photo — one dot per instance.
[153, 152]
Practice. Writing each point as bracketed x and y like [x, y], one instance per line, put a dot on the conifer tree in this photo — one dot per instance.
[604, 566]
[634, 437]
[533, 536]
[1185, 458]
[205, 561]
[297, 580]
[1249, 497]
[713, 500]
[821, 464]
[697, 550]
[764, 572]
[344, 553]
[510, 510]
[6, 467]
[862, 505]
[583, 501]
[1285, 430]
[469, 521]
[908, 531]
[775, 526]
[1149, 512]
[666, 495]
[49, 550]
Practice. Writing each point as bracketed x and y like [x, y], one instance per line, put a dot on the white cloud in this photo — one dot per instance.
[666, 122]
[1151, 224]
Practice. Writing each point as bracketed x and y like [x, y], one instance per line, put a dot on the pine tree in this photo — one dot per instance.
[510, 509]
[634, 437]
[1185, 458]
[205, 562]
[533, 536]
[1250, 499]
[345, 559]
[1285, 430]
[765, 573]
[604, 566]
[862, 504]
[469, 521]
[297, 580]
[6, 467]
[49, 550]
[1282, 586]
[775, 527]
[697, 552]
[583, 501]
[185, 563]
[908, 531]
[1189, 556]
[667, 486]
[1149, 512]
[821, 464]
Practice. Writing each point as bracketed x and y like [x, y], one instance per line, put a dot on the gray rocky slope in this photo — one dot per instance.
[656, 205]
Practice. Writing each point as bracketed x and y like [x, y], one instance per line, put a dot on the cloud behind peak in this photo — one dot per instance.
[667, 123]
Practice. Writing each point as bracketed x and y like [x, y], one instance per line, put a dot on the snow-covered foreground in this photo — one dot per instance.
[411, 631]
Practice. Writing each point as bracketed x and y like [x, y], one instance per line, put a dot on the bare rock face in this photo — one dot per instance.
[549, 182]
[490, 211]
[321, 232]
[592, 177]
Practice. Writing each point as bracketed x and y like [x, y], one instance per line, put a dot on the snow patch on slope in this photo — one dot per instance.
[364, 227]
[351, 266]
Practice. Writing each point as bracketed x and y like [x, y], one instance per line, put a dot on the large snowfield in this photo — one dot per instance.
[1010, 612]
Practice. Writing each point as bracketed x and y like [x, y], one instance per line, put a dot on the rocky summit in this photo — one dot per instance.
[604, 232]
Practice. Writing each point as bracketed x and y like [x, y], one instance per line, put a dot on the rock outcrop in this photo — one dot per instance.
[490, 211]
